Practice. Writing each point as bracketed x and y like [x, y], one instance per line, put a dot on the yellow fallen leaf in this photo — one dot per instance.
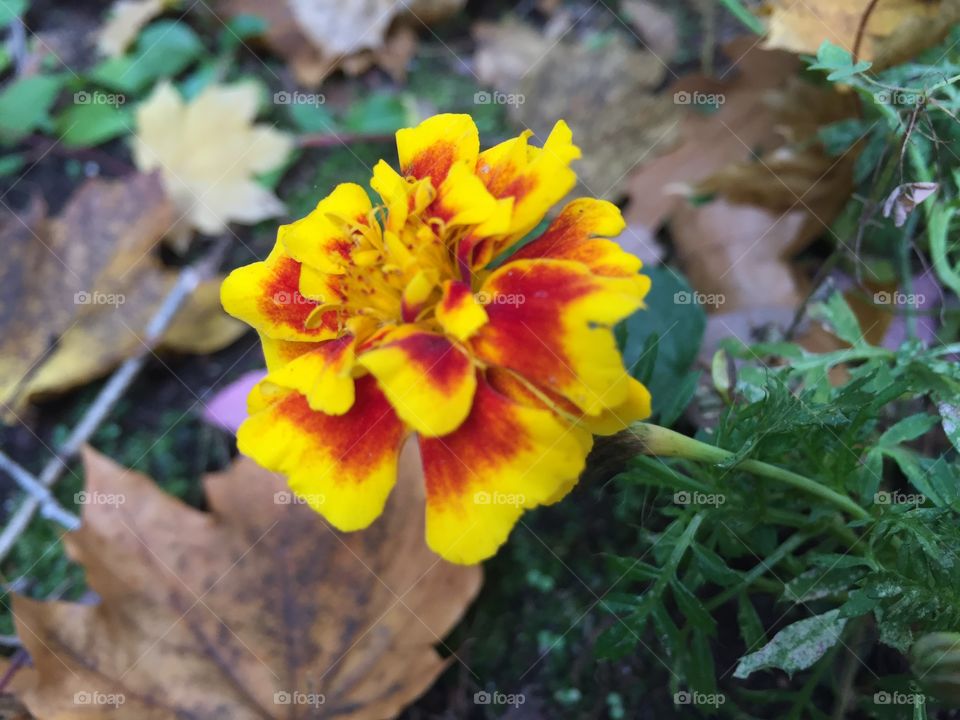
[895, 29]
[127, 19]
[80, 289]
[208, 151]
[255, 610]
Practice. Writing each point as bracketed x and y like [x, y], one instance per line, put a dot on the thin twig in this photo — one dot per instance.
[20, 659]
[861, 29]
[327, 140]
[49, 507]
[188, 280]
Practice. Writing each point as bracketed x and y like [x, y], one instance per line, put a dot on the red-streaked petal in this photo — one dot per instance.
[462, 199]
[429, 381]
[266, 295]
[504, 458]
[535, 178]
[430, 149]
[342, 466]
[322, 375]
[550, 321]
[458, 312]
[578, 233]
[324, 239]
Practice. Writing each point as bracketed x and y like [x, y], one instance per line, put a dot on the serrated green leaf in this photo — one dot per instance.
[693, 610]
[10, 164]
[312, 118]
[858, 603]
[910, 428]
[679, 327]
[11, 10]
[796, 647]
[164, 49]
[25, 105]
[378, 113]
[92, 124]
[815, 584]
[838, 61]
[751, 627]
[950, 419]
[841, 318]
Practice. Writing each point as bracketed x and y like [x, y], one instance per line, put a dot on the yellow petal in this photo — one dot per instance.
[551, 322]
[322, 375]
[458, 311]
[323, 239]
[506, 457]
[429, 381]
[343, 466]
[266, 295]
[432, 147]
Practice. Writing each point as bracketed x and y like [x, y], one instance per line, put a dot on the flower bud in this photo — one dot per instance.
[935, 659]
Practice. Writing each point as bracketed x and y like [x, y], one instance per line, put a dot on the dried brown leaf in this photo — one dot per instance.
[603, 87]
[247, 611]
[79, 290]
[708, 141]
[317, 37]
[894, 31]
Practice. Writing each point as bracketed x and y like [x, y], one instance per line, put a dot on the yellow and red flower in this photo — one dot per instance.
[383, 320]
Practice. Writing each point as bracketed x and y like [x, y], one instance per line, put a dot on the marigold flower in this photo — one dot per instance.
[379, 321]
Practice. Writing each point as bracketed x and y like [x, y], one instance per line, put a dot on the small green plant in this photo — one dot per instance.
[860, 549]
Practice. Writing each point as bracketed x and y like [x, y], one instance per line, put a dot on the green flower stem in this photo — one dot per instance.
[656, 440]
[741, 13]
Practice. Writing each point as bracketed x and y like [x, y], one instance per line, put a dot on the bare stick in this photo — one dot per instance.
[49, 507]
[326, 140]
[188, 280]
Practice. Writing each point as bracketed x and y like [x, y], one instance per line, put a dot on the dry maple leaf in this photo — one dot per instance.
[604, 90]
[775, 188]
[895, 30]
[319, 36]
[743, 124]
[127, 19]
[208, 151]
[256, 609]
[78, 290]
